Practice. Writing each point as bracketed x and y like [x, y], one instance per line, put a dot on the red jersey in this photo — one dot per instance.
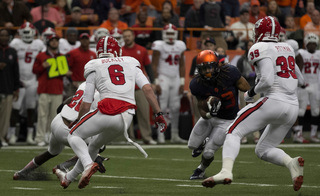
[140, 53]
[47, 85]
[77, 59]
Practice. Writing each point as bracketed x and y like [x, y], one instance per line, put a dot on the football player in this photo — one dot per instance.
[97, 35]
[71, 42]
[310, 94]
[277, 78]
[45, 35]
[117, 33]
[114, 77]
[27, 47]
[223, 82]
[58, 136]
[169, 70]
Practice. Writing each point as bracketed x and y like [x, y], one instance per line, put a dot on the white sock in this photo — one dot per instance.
[80, 147]
[30, 131]
[227, 164]
[286, 160]
[314, 130]
[11, 132]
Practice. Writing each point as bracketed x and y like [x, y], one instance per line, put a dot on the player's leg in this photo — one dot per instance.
[303, 99]
[174, 105]
[314, 104]
[164, 83]
[216, 138]
[267, 150]
[15, 117]
[251, 118]
[31, 102]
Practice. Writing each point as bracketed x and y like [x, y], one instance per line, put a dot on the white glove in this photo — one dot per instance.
[247, 98]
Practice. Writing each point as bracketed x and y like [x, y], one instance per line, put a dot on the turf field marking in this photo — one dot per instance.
[27, 188]
[177, 180]
[106, 187]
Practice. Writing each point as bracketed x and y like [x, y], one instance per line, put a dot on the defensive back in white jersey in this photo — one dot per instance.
[283, 59]
[116, 77]
[311, 62]
[27, 53]
[170, 55]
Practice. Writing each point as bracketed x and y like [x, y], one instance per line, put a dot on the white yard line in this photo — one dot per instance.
[27, 188]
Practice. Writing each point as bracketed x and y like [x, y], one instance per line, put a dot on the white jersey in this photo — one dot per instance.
[283, 58]
[65, 46]
[169, 57]
[294, 44]
[27, 53]
[311, 62]
[70, 111]
[116, 77]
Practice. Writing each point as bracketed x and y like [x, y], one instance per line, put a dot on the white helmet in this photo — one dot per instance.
[46, 33]
[27, 32]
[311, 38]
[169, 33]
[99, 33]
[117, 33]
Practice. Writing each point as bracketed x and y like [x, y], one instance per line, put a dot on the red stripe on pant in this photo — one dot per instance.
[82, 120]
[245, 114]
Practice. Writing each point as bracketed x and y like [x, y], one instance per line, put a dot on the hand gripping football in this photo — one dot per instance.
[213, 105]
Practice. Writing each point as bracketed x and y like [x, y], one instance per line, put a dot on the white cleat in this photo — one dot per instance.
[223, 177]
[178, 140]
[314, 139]
[296, 170]
[64, 182]
[87, 173]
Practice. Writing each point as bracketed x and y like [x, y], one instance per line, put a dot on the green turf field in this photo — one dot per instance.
[165, 172]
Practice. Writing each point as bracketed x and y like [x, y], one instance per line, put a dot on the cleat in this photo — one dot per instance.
[296, 170]
[300, 139]
[197, 174]
[13, 139]
[64, 182]
[196, 152]
[161, 138]
[178, 140]
[223, 177]
[244, 140]
[314, 139]
[18, 176]
[87, 173]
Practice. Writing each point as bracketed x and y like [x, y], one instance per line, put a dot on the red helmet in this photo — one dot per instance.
[108, 47]
[283, 35]
[207, 60]
[27, 32]
[169, 33]
[46, 33]
[267, 29]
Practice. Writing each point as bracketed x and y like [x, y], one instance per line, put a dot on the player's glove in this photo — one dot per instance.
[213, 107]
[73, 123]
[248, 96]
[305, 85]
[100, 160]
[160, 122]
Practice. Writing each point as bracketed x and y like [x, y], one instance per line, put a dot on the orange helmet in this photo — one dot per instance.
[207, 64]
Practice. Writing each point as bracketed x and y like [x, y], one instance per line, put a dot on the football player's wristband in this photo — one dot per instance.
[158, 114]
[156, 81]
[181, 81]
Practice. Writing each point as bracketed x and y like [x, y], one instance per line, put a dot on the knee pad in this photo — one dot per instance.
[208, 154]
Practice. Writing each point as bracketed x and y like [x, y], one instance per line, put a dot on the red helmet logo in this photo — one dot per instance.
[108, 47]
[27, 32]
[169, 33]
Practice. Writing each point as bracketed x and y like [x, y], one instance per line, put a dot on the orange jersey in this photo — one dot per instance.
[107, 24]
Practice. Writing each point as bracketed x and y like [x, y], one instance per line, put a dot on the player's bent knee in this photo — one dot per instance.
[208, 154]
[259, 152]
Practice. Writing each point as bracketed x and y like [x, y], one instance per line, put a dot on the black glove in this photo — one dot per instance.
[100, 160]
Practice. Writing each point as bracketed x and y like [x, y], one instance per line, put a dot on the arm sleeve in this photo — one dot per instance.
[267, 75]
[90, 88]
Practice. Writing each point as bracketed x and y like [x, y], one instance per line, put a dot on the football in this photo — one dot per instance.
[210, 101]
